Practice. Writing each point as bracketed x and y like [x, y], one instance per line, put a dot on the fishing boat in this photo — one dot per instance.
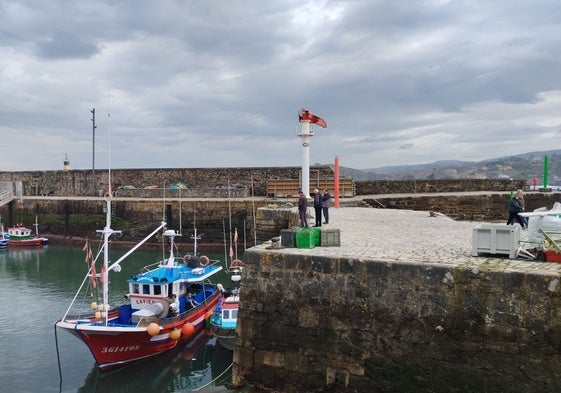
[167, 303]
[4, 240]
[224, 320]
[21, 236]
[44, 240]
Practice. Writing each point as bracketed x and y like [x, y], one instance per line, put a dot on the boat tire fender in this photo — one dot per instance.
[236, 263]
[203, 260]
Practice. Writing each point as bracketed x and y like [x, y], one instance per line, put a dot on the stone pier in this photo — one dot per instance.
[400, 306]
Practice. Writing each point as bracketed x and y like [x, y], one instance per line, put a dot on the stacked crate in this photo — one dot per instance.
[330, 238]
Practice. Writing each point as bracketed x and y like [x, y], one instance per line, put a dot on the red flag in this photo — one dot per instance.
[235, 235]
[231, 252]
[103, 273]
[307, 115]
[93, 276]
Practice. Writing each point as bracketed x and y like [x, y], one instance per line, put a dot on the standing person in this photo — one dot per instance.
[303, 209]
[318, 205]
[326, 203]
[516, 206]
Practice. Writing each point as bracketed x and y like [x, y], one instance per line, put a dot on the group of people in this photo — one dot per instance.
[322, 202]
[516, 206]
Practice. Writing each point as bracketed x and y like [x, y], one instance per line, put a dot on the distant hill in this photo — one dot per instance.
[520, 166]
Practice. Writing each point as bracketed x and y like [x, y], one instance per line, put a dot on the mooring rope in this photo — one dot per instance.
[58, 360]
[215, 379]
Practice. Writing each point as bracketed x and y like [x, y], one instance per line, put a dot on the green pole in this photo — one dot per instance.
[545, 171]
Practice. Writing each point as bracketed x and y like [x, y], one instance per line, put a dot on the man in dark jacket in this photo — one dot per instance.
[326, 203]
[318, 205]
[303, 209]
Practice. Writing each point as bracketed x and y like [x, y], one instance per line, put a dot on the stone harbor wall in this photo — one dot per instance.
[306, 321]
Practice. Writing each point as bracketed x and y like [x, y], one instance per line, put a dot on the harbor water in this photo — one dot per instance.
[37, 285]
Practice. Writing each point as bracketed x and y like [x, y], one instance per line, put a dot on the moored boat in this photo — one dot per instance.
[224, 320]
[4, 240]
[21, 236]
[44, 240]
[167, 302]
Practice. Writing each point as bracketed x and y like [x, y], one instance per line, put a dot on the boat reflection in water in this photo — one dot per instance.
[198, 363]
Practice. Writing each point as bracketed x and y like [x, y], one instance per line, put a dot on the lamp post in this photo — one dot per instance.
[93, 150]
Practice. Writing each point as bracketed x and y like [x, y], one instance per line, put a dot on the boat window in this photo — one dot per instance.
[157, 289]
[234, 314]
[226, 314]
[134, 288]
[146, 289]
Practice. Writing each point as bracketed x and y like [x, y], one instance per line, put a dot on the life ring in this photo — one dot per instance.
[203, 260]
[186, 258]
[236, 264]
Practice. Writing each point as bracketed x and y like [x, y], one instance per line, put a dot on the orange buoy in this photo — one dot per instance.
[188, 329]
[175, 334]
[153, 329]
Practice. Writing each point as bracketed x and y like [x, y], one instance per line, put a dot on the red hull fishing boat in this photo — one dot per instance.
[167, 302]
[21, 236]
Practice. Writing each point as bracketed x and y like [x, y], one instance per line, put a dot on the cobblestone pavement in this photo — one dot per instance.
[413, 236]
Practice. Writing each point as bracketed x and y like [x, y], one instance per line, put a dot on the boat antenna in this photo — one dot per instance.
[195, 236]
[253, 210]
[230, 218]
[180, 213]
[225, 244]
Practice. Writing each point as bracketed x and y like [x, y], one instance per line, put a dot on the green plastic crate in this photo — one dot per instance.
[316, 234]
[305, 238]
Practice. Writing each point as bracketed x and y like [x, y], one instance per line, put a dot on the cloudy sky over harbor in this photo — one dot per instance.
[219, 83]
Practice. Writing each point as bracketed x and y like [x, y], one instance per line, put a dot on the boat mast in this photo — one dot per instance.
[106, 232]
[195, 237]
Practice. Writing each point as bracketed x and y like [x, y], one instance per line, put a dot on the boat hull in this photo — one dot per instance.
[118, 344]
[25, 243]
[226, 337]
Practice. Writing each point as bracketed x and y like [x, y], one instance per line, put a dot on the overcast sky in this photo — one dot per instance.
[220, 83]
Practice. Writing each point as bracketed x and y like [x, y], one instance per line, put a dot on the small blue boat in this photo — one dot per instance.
[224, 320]
[4, 240]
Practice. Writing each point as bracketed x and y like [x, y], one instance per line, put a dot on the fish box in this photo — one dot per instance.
[288, 237]
[552, 256]
[330, 238]
[305, 238]
[496, 239]
[316, 235]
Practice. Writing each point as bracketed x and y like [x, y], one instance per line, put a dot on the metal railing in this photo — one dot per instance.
[6, 192]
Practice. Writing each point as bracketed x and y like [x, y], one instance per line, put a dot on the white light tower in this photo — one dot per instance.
[305, 119]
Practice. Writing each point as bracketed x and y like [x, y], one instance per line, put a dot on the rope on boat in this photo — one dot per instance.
[58, 359]
[215, 379]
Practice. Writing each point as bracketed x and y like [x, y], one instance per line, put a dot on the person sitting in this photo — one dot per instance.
[190, 302]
